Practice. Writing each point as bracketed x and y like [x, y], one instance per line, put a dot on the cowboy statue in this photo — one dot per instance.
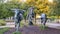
[30, 15]
[43, 18]
[18, 17]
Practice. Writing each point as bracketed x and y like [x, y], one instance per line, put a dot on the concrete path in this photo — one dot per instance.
[8, 24]
[52, 25]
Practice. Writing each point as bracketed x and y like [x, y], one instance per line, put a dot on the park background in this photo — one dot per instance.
[50, 7]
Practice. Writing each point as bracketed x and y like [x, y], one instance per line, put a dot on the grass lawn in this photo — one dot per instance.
[2, 22]
[2, 30]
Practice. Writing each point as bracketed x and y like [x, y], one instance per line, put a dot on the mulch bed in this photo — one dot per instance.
[34, 30]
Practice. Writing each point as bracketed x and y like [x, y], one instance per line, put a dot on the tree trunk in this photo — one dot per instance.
[58, 20]
[25, 20]
[35, 18]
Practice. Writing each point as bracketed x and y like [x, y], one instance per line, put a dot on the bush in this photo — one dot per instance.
[2, 22]
[52, 18]
[42, 27]
[16, 32]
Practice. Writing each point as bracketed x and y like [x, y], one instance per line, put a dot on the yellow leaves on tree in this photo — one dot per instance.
[42, 5]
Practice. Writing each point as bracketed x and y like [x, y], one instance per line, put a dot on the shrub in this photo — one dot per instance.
[21, 24]
[42, 27]
[52, 18]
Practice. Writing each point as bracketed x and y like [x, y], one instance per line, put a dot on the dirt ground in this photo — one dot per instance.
[34, 30]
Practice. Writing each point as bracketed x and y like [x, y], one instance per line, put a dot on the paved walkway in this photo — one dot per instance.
[52, 25]
[8, 24]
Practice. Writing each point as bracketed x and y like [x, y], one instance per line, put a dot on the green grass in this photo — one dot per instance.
[2, 30]
[17, 32]
[2, 22]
